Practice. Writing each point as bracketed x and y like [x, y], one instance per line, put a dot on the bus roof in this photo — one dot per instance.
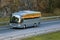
[25, 12]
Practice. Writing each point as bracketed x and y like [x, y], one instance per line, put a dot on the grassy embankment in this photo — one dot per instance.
[50, 36]
[55, 13]
[5, 19]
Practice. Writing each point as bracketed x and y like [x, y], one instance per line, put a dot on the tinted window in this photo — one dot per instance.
[14, 19]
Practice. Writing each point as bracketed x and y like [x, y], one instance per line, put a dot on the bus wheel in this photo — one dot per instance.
[24, 26]
[39, 23]
[35, 25]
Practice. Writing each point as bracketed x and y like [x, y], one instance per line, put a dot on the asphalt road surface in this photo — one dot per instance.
[45, 27]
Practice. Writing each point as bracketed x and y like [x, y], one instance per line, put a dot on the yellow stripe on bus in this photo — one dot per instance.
[32, 15]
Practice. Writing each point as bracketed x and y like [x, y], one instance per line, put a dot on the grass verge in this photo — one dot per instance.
[50, 36]
[4, 19]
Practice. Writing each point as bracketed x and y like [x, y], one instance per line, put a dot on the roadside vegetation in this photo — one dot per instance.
[4, 19]
[56, 12]
[10, 6]
[50, 36]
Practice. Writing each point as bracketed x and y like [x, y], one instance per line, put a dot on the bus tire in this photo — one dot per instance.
[24, 26]
[35, 25]
[39, 23]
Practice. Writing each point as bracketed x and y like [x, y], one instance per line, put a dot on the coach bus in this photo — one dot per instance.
[23, 19]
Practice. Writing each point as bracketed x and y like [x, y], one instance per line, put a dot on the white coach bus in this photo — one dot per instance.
[23, 19]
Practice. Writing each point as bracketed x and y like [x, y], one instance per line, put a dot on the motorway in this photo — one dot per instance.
[45, 27]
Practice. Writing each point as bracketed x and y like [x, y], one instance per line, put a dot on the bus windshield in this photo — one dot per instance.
[14, 19]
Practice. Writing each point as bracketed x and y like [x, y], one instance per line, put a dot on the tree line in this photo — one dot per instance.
[10, 6]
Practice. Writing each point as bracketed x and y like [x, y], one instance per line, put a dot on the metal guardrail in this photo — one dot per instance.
[42, 18]
[50, 17]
